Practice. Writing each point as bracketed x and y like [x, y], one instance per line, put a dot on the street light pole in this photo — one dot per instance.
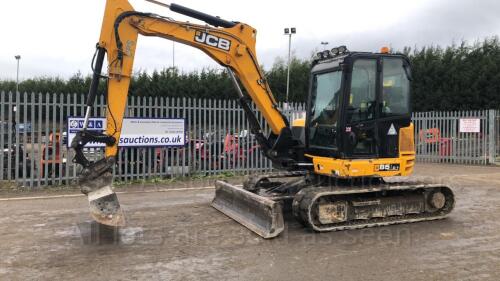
[18, 58]
[289, 32]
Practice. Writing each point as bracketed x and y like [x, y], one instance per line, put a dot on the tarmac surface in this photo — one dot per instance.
[176, 235]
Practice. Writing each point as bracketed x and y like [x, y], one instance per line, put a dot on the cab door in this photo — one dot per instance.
[360, 132]
[377, 106]
[394, 104]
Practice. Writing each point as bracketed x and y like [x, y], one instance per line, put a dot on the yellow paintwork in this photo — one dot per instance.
[346, 168]
[241, 58]
[301, 122]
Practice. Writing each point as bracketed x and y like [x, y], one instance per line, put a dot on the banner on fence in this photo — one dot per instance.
[470, 125]
[136, 132]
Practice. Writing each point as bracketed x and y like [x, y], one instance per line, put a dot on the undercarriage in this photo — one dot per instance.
[330, 204]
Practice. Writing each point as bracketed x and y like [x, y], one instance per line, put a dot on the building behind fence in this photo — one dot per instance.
[34, 140]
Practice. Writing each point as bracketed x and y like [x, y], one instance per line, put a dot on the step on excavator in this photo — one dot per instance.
[331, 166]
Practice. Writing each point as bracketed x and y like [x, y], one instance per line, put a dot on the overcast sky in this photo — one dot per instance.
[57, 37]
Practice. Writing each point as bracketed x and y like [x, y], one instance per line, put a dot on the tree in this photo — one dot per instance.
[458, 77]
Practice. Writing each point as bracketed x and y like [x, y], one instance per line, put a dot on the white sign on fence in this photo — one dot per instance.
[470, 125]
[136, 132]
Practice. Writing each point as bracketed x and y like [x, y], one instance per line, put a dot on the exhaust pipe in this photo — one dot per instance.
[257, 213]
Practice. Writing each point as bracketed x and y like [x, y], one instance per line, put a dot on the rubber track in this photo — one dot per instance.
[305, 198]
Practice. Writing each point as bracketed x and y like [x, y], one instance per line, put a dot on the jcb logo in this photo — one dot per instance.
[212, 40]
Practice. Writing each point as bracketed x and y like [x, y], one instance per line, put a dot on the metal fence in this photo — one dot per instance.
[33, 129]
[33, 138]
[439, 138]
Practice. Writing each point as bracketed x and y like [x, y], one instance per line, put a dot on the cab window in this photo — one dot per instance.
[324, 112]
[396, 88]
[362, 98]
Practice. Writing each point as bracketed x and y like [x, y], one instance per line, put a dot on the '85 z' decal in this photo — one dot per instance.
[212, 40]
[386, 167]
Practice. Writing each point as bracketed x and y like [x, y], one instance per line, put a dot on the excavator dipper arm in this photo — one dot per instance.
[231, 44]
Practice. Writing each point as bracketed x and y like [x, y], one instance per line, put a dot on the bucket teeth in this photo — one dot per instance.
[259, 214]
[105, 208]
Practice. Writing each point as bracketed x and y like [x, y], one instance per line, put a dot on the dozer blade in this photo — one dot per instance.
[259, 214]
[105, 208]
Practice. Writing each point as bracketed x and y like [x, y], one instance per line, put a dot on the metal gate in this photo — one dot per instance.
[439, 136]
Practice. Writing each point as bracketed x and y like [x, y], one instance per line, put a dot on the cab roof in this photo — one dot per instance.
[330, 62]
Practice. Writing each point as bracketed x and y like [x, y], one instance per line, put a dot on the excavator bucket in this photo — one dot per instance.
[103, 203]
[257, 213]
[105, 208]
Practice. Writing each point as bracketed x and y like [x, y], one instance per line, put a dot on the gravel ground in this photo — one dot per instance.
[176, 235]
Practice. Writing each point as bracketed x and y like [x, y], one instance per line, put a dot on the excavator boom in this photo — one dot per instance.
[231, 44]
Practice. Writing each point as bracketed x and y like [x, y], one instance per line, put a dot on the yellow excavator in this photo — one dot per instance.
[330, 166]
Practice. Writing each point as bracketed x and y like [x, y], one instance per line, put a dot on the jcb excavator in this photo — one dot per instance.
[357, 130]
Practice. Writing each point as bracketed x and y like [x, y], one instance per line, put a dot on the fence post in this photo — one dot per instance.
[491, 136]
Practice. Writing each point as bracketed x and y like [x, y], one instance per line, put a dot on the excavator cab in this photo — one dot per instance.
[357, 103]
